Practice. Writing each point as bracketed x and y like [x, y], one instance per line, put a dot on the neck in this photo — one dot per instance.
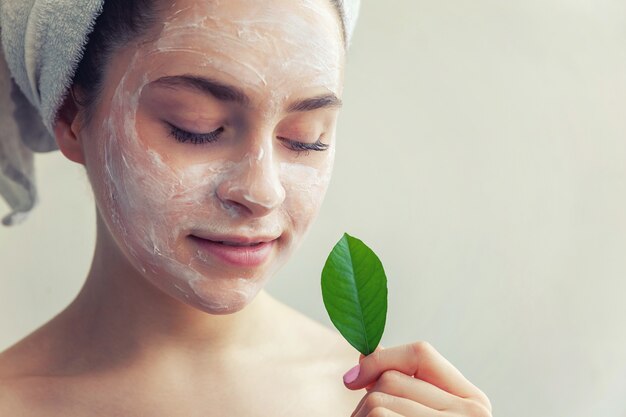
[120, 313]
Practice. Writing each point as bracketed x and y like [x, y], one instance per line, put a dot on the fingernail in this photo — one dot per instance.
[352, 375]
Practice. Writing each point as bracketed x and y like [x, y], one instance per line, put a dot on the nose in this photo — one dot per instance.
[253, 186]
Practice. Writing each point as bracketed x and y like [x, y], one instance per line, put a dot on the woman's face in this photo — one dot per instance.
[212, 146]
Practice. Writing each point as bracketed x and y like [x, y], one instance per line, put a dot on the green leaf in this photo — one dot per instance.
[354, 289]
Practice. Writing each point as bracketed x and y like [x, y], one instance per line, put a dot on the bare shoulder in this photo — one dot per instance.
[10, 405]
[29, 389]
[324, 356]
[323, 342]
[22, 397]
[24, 387]
[29, 356]
[11, 401]
[17, 394]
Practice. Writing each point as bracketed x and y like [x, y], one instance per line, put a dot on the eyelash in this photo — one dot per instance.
[184, 136]
[304, 147]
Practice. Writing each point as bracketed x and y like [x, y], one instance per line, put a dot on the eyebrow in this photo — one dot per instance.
[225, 92]
[323, 101]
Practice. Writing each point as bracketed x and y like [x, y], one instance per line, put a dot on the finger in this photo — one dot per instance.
[379, 347]
[383, 412]
[377, 402]
[400, 385]
[419, 360]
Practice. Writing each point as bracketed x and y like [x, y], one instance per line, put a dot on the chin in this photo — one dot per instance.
[219, 310]
[221, 301]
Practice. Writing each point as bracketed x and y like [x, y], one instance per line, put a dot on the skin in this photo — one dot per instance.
[162, 328]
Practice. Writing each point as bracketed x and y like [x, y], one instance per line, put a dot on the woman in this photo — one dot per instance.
[207, 131]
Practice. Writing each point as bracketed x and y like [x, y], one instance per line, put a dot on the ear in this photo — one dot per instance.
[67, 128]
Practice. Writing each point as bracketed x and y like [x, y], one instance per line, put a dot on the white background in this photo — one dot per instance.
[481, 154]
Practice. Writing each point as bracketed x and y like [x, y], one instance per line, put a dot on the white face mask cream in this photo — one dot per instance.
[214, 156]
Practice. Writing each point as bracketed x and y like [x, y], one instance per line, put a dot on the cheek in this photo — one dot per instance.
[149, 207]
[152, 205]
[305, 188]
[144, 201]
[136, 195]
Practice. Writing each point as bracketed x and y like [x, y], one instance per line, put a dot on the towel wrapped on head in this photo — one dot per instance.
[42, 44]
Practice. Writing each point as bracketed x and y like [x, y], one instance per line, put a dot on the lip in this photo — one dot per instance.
[238, 256]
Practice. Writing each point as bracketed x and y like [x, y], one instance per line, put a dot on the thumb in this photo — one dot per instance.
[353, 373]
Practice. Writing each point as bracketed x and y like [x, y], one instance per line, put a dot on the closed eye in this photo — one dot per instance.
[305, 147]
[184, 136]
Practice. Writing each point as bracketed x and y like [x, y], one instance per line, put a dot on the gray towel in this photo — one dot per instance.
[43, 42]
[18, 120]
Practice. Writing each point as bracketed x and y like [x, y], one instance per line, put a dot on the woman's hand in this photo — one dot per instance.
[414, 381]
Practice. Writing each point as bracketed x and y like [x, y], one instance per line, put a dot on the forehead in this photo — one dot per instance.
[266, 45]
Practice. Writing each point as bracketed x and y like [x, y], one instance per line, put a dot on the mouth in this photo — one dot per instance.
[237, 251]
[238, 244]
